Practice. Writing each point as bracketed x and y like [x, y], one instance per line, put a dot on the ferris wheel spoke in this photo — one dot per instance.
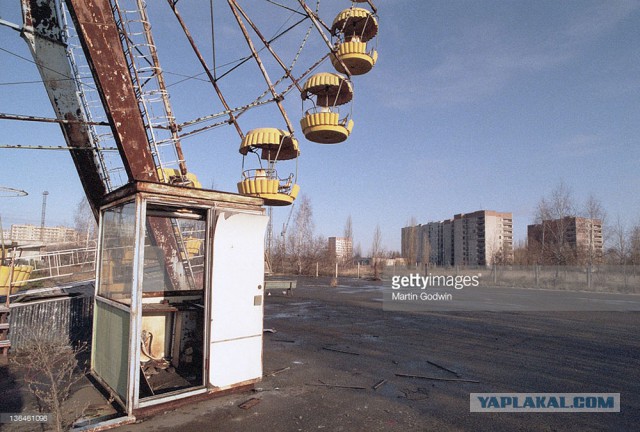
[203, 63]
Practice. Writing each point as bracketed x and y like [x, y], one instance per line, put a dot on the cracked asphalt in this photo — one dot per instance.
[333, 345]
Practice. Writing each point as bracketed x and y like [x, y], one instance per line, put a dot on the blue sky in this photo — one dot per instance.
[472, 105]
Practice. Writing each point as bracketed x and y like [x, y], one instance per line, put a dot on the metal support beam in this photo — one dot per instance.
[317, 23]
[266, 44]
[278, 98]
[96, 27]
[214, 81]
[100, 38]
[43, 34]
[163, 88]
[20, 117]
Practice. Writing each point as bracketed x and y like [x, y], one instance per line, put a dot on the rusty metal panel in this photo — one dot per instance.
[68, 318]
[43, 34]
[96, 26]
[185, 195]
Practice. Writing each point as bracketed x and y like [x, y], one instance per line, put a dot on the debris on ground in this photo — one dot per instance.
[420, 393]
[339, 350]
[436, 378]
[322, 384]
[249, 403]
[277, 371]
[379, 384]
[443, 368]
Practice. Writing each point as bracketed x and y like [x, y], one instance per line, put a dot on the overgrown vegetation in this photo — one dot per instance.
[298, 250]
[49, 366]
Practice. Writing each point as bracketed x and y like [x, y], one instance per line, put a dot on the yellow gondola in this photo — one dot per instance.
[353, 28]
[173, 176]
[193, 246]
[5, 272]
[24, 272]
[18, 278]
[322, 123]
[274, 145]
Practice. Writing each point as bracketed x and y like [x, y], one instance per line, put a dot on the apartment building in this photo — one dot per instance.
[340, 248]
[570, 240]
[47, 235]
[484, 237]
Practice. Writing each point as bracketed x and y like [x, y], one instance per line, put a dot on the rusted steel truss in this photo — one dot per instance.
[100, 38]
[43, 34]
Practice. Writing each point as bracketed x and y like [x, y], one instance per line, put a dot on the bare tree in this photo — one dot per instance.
[620, 246]
[620, 242]
[596, 216]
[521, 254]
[348, 234]
[495, 250]
[410, 239]
[277, 255]
[634, 245]
[301, 241]
[357, 251]
[426, 247]
[376, 251]
[348, 228]
[553, 216]
[85, 222]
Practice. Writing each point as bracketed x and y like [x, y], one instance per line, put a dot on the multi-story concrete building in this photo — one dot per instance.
[33, 233]
[340, 248]
[484, 237]
[570, 240]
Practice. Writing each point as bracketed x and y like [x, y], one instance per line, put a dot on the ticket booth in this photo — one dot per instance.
[179, 294]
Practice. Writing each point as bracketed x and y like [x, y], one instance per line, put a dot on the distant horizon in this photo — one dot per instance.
[516, 241]
[470, 105]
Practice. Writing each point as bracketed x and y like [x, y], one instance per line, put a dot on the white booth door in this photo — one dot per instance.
[237, 297]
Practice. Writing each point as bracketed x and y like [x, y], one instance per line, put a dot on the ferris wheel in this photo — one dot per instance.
[90, 106]
[351, 30]
[349, 44]
[264, 150]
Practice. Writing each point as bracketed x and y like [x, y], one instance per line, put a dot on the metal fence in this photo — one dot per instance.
[62, 263]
